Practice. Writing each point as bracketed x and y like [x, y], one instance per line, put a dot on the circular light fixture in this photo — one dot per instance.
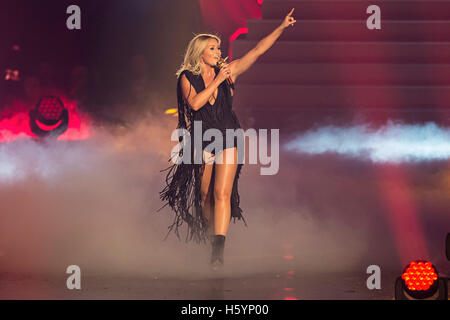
[420, 280]
[49, 117]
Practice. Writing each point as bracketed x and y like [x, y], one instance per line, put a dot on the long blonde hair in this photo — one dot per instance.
[194, 51]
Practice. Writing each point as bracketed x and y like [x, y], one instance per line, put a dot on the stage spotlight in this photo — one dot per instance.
[420, 280]
[12, 75]
[49, 118]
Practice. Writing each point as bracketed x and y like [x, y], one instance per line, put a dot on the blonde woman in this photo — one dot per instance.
[205, 195]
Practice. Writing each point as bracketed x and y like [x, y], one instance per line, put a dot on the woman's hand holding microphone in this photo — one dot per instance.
[224, 73]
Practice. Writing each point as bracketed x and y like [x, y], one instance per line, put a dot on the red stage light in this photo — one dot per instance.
[419, 276]
[49, 112]
[420, 279]
[237, 33]
[233, 37]
[50, 108]
[15, 121]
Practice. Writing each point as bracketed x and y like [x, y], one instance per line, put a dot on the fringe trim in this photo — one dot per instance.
[182, 194]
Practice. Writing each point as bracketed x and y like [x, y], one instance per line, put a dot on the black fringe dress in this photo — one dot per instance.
[183, 180]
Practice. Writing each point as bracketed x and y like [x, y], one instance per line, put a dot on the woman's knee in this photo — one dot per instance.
[222, 195]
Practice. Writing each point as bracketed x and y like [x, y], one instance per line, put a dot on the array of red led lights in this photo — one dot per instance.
[419, 276]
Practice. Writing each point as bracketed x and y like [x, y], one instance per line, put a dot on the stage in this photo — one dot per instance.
[346, 172]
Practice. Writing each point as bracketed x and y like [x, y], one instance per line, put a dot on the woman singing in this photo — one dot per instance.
[205, 195]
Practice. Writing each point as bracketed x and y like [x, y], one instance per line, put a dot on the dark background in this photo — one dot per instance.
[119, 42]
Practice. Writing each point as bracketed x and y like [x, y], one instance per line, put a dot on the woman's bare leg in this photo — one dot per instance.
[207, 192]
[223, 185]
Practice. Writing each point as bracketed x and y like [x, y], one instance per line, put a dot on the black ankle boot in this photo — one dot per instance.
[218, 246]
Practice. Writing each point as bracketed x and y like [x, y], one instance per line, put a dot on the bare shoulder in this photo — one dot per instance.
[187, 88]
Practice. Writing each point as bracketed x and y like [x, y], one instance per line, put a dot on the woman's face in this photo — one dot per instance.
[211, 54]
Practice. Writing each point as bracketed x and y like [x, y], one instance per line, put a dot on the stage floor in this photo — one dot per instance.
[269, 286]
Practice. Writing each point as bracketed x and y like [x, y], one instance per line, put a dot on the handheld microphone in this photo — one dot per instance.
[220, 64]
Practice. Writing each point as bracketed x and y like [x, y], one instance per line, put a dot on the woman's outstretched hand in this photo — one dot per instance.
[241, 65]
[288, 20]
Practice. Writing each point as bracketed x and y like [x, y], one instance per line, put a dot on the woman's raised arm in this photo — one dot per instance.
[239, 66]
